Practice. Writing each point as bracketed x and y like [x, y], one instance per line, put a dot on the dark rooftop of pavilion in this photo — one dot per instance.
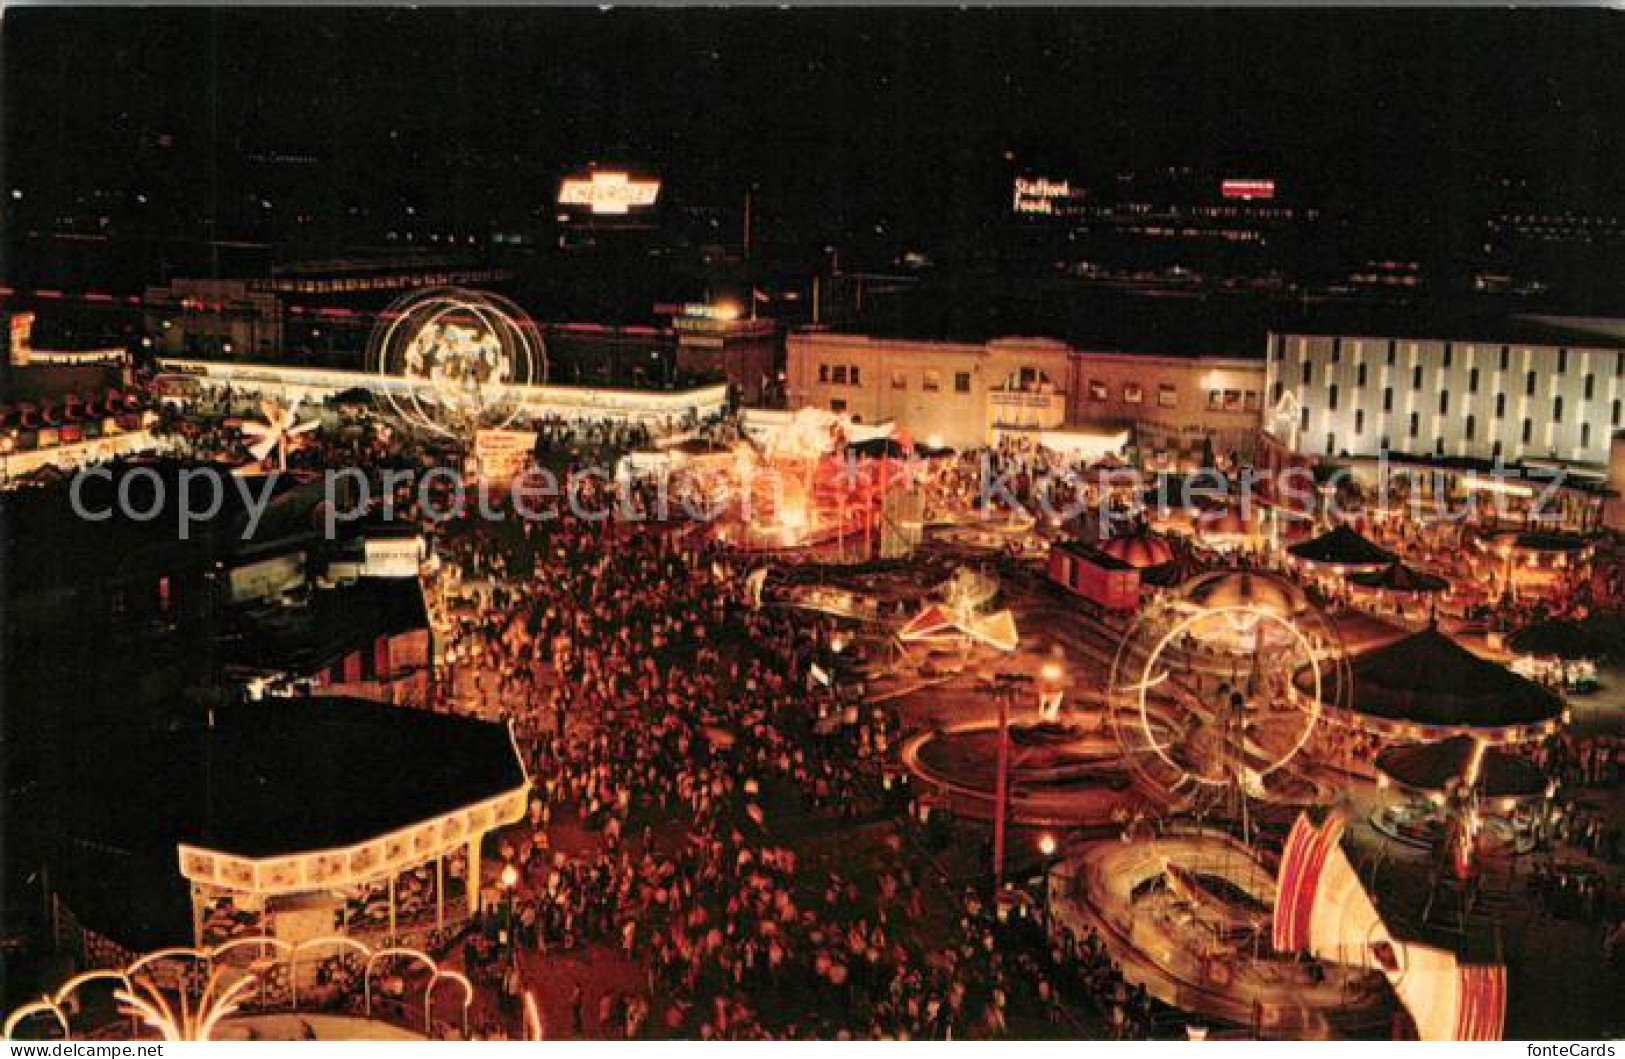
[285, 776]
[1429, 680]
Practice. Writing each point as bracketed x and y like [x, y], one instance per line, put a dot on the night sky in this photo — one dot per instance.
[844, 119]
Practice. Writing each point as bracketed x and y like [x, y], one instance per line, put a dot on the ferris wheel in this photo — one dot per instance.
[1217, 688]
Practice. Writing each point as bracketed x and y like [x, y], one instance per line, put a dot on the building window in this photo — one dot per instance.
[1528, 430]
[1500, 406]
[1615, 417]
[1387, 398]
[1438, 446]
[1134, 393]
[1447, 354]
[1472, 381]
[1276, 391]
[1591, 386]
[1331, 442]
[1393, 352]
[1585, 435]
[1416, 424]
[1167, 396]
[1215, 400]
[1331, 397]
[1359, 421]
[1506, 358]
[1444, 402]
[961, 382]
[1495, 450]
[1360, 377]
[1557, 409]
[1471, 428]
[1303, 419]
[1098, 391]
[899, 380]
[838, 376]
[932, 382]
[1416, 377]
[1383, 444]
[837, 404]
[1337, 350]
[1529, 385]
[1249, 400]
[1308, 373]
[855, 379]
[1562, 361]
[823, 373]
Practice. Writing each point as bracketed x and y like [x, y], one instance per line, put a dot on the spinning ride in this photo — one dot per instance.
[457, 361]
[1201, 699]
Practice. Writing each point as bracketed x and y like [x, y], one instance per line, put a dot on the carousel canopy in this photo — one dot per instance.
[1223, 524]
[1243, 588]
[1428, 680]
[1341, 546]
[1437, 766]
[1140, 549]
[1536, 541]
[1566, 640]
[287, 776]
[1400, 580]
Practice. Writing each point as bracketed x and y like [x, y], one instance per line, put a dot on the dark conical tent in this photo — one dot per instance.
[1341, 546]
[1439, 765]
[1566, 640]
[1426, 683]
[1398, 579]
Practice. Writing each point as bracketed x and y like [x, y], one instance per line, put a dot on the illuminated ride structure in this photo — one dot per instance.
[288, 819]
[1060, 766]
[816, 478]
[1323, 909]
[1201, 697]
[1205, 709]
[456, 361]
[1187, 913]
[254, 988]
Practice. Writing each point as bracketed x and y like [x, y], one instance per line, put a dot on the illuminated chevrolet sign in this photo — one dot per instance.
[607, 193]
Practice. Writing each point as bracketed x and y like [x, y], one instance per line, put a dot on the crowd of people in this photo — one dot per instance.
[677, 727]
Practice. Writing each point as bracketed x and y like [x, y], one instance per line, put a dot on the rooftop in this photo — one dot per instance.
[333, 623]
[284, 776]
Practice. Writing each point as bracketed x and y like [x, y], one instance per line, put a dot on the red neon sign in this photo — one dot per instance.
[1247, 189]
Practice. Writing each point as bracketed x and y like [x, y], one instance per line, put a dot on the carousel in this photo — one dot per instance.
[1398, 591]
[382, 863]
[1426, 686]
[1342, 550]
[1560, 653]
[1441, 781]
[1533, 563]
[268, 842]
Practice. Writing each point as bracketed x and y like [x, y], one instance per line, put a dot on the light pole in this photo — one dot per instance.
[1003, 690]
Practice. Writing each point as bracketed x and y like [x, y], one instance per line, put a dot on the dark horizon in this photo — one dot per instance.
[843, 120]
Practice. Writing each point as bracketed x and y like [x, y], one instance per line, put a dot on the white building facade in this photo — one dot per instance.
[1430, 397]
